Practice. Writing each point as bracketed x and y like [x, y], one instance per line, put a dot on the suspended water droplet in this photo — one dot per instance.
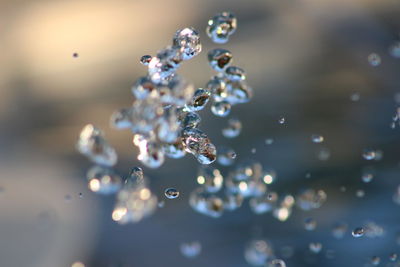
[235, 74]
[221, 26]
[253, 150]
[263, 204]
[190, 249]
[210, 178]
[219, 59]
[276, 263]
[269, 141]
[258, 252]
[316, 138]
[360, 193]
[339, 230]
[233, 129]
[103, 180]
[199, 100]
[206, 203]
[369, 154]
[310, 224]
[171, 193]
[315, 247]
[226, 156]
[145, 60]
[187, 41]
[163, 66]
[374, 59]
[221, 109]
[217, 87]
[144, 88]
[393, 256]
[358, 232]
[269, 176]
[281, 120]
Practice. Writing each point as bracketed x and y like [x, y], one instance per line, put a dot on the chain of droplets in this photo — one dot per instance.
[164, 118]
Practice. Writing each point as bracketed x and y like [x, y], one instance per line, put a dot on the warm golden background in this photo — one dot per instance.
[304, 58]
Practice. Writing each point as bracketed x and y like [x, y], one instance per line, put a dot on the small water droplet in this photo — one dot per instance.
[316, 138]
[374, 59]
[358, 232]
[171, 193]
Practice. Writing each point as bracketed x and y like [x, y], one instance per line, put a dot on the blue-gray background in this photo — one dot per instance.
[304, 60]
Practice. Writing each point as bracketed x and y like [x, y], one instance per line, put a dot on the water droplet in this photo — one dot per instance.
[258, 252]
[233, 129]
[339, 230]
[323, 154]
[103, 180]
[316, 138]
[367, 175]
[190, 249]
[393, 256]
[269, 141]
[281, 120]
[358, 232]
[163, 66]
[360, 193]
[226, 156]
[310, 224]
[161, 204]
[374, 59]
[145, 60]
[355, 97]
[122, 119]
[276, 263]
[171, 193]
[199, 100]
[232, 201]
[375, 260]
[78, 264]
[235, 74]
[219, 59]
[394, 49]
[253, 150]
[221, 26]
[210, 178]
[315, 247]
[369, 154]
[174, 150]
[221, 109]
[80, 195]
[269, 176]
[188, 42]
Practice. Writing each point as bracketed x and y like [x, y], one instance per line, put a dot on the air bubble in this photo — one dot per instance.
[369, 154]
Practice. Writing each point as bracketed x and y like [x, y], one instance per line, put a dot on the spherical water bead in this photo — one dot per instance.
[310, 224]
[394, 50]
[316, 138]
[174, 150]
[188, 42]
[269, 176]
[375, 260]
[358, 232]
[221, 109]
[92, 144]
[134, 202]
[171, 193]
[232, 201]
[226, 156]
[103, 180]
[145, 60]
[369, 154]
[235, 74]
[210, 178]
[276, 263]
[199, 100]
[163, 66]
[194, 140]
[258, 252]
[233, 129]
[339, 230]
[374, 59]
[122, 119]
[144, 88]
[219, 59]
[238, 92]
[281, 120]
[217, 87]
[311, 199]
[221, 26]
[263, 204]
[190, 249]
[135, 177]
[206, 203]
[315, 247]
[207, 154]
[393, 257]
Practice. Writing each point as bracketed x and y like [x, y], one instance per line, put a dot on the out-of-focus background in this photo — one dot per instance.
[305, 59]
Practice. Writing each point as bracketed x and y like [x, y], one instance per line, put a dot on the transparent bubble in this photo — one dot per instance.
[92, 144]
[284, 209]
[144, 88]
[263, 204]
[199, 100]
[174, 150]
[206, 203]
[258, 252]
[187, 41]
[369, 154]
[375, 260]
[190, 249]
[233, 129]
[246, 180]
[358, 232]
[311, 199]
[226, 156]
[103, 180]
[210, 178]
[163, 66]
[171, 193]
[339, 230]
[276, 263]
[161, 204]
[235, 74]
[394, 49]
[316, 138]
[219, 59]
[310, 224]
[315, 247]
[145, 60]
[221, 109]
[253, 150]
[194, 140]
[217, 87]
[221, 26]
[374, 59]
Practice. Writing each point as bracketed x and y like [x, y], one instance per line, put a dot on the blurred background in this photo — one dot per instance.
[307, 61]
